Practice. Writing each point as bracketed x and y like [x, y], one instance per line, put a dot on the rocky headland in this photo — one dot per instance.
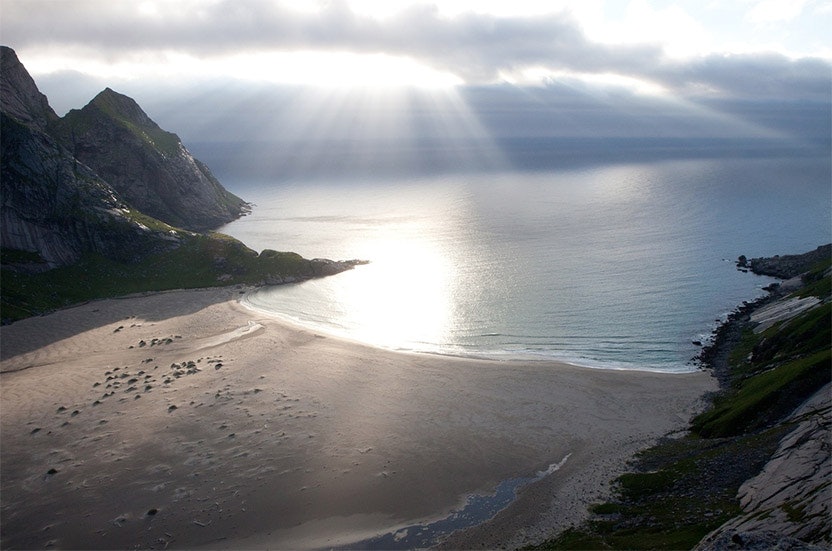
[787, 504]
[147, 166]
[103, 202]
[786, 266]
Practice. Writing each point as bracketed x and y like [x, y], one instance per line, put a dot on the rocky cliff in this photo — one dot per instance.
[147, 166]
[787, 505]
[19, 95]
[103, 203]
[54, 208]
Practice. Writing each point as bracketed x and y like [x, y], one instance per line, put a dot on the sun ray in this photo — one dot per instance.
[361, 133]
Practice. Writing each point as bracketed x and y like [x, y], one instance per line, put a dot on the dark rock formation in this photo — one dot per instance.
[87, 183]
[114, 204]
[789, 266]
[726, 336]
[19, 95]
[52, 206]
[147, 166]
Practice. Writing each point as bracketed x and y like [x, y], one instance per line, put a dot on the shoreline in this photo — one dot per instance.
[500, 356]
[282, 437]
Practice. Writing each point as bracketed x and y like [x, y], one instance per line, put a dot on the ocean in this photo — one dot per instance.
[624, 262]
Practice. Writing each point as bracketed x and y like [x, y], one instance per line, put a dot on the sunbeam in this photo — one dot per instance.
[356, 133]
[325, 138]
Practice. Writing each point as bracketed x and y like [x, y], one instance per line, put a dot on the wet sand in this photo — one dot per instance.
[182, 419]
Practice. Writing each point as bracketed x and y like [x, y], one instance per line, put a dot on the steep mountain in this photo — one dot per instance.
[19, 95]
[53, 209]
[103, 203]
[147, 166]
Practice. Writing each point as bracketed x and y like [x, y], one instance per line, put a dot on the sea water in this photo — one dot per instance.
[612, 264]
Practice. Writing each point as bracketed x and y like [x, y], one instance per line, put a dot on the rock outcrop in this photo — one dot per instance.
[53, 206]
[788, 503]
[149, 167]
[114, 204]
[791, 265]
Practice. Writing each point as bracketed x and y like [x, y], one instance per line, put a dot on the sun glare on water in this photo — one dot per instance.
[403, 300]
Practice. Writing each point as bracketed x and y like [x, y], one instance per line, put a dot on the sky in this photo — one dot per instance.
[506, 68]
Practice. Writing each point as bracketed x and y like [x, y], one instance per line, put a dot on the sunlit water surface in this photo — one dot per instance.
[617, 266]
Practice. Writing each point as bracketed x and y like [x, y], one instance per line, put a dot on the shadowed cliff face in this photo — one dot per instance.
[86, 183]
[147, 166]
[19, 95]
[54, 207]
[58, 209]
[102, 203]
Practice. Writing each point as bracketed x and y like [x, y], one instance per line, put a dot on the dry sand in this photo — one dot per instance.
[282, 438]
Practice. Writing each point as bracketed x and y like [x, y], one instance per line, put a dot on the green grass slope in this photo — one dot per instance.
[201, 260]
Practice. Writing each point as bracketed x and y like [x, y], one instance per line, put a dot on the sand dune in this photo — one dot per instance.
[182, 419]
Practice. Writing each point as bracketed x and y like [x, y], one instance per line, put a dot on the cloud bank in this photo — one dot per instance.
[545, 87]
[477, 48]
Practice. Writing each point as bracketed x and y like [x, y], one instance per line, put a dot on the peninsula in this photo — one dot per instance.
[103, 202]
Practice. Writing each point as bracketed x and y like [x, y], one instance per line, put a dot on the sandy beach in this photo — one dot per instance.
[182, 419]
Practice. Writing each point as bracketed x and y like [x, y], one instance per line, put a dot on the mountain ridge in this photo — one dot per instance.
[148, 166]
[103, 202]
[19, 95]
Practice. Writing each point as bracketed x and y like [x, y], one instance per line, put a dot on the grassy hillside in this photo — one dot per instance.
[203, 260]
[112, 106]
[683, 488]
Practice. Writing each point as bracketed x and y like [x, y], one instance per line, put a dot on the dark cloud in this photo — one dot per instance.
[763, 76]
[476, 47]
